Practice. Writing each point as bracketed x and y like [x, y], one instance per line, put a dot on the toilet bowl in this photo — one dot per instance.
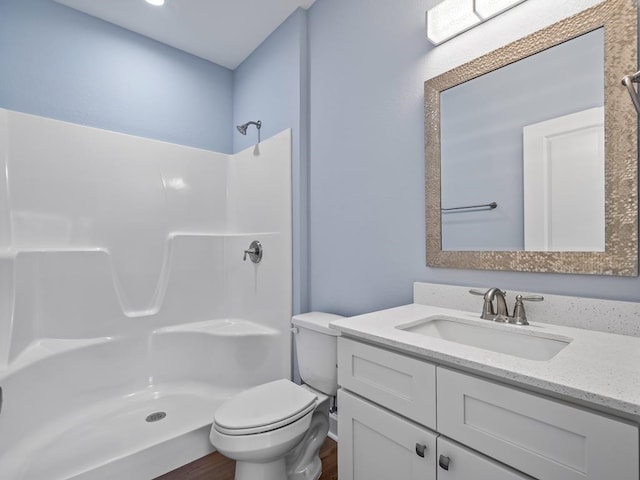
[274, 431]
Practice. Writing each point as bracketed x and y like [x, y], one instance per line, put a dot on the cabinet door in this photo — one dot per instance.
[402, 384]
[544, 438]
[376, 444]
[459, 463]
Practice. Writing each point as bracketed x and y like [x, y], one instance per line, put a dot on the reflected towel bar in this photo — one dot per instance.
[491, 206]
[628, 81]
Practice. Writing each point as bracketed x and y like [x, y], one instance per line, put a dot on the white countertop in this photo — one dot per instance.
[600, 370]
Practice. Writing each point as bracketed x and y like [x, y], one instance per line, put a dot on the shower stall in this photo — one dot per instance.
[129, 308]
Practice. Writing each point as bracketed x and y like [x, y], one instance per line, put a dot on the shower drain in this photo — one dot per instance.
[156, 416]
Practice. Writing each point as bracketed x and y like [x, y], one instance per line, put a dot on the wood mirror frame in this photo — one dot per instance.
[620, 257]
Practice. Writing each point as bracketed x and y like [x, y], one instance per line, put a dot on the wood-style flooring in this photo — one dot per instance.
[217, 467]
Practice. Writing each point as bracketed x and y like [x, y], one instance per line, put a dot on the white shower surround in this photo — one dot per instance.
[124, 292]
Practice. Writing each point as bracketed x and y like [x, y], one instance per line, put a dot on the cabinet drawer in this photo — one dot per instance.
[459, 463]
[376, 444]
[403, 384]
[543, 438]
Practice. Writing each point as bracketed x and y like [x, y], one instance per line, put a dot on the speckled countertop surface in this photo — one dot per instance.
[596, 369]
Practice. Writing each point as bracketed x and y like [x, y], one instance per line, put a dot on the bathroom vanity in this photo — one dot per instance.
[430, 392]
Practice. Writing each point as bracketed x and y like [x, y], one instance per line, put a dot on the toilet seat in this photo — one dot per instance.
[263, 408]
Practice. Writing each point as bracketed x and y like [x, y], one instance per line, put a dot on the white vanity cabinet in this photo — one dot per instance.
[391, 405]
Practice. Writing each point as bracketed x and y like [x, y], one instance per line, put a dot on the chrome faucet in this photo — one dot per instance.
[501, 311]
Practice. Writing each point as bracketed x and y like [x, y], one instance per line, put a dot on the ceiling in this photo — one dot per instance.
[222, 31]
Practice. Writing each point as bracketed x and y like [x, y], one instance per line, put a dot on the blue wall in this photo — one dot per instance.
[367, 158]
[367, 68]
[63, 64]
[271, 85]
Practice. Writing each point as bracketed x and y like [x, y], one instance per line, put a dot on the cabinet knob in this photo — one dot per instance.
[444, 462]
[420, 449]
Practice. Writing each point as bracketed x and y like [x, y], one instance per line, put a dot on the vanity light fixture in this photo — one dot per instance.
[449, 18]
[490, 8]
[155, 3]
[452, 17]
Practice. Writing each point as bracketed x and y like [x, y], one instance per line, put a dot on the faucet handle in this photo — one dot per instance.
[519, 315]
[482, 293]
[531, 298]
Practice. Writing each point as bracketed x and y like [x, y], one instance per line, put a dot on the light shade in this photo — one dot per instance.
[490, 8]
[157, 3]
[450, 18]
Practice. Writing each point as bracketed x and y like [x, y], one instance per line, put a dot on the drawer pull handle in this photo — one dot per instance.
[420, 449]
[444, 462]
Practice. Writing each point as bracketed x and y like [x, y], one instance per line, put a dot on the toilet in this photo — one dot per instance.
[274, 431]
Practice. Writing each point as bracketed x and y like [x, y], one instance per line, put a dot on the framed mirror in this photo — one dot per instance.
[531, 152]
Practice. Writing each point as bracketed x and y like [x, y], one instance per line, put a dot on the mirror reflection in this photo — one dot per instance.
[529, 137]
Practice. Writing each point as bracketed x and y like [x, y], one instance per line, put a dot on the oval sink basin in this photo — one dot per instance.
[493, 337]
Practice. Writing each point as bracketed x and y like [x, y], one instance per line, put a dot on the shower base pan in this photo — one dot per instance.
[140, 436]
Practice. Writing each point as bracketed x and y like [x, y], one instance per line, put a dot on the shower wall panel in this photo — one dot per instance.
[73, 186]
[105, 234]
[259, 180]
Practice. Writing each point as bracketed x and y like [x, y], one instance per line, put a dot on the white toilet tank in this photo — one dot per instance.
[317, 350]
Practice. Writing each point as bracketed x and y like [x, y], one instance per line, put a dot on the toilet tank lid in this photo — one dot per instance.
[317, 321]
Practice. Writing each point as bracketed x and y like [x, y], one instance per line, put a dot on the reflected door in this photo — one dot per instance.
[564, 183]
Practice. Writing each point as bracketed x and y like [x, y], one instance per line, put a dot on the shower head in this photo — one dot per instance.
[243, 128]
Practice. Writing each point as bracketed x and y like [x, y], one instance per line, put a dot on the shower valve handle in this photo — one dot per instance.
[254, 252]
